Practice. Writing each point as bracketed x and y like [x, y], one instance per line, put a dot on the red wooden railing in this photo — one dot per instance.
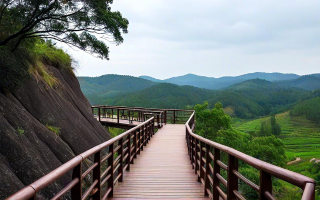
[205, 158]
[204, 155]
[125, 147]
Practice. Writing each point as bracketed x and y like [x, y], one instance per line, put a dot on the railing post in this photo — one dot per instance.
[76, 191]
[118, 116]
[152, 126]
[265, 185]
[207, 174]
[196, 168]
[158, 121]
[129, 152]
[141, 139]
[147, 133]
[174, 116]
[120, 152]
[216, 170]
[97, 176]
[150, 131]
[232, 180]
[129, 115]
[144, 136]
[165, 117]
[201, 161]
[110, 164]
[112, 113]
[192, 152]
[99, 117]
[135, 145]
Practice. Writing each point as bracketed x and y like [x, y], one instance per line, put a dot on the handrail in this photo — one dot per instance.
[202, 152]
[163, 116]
[210, 175]
[130, 143]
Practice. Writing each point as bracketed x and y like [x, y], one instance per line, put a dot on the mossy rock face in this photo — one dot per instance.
[13, 71]
[43, 127]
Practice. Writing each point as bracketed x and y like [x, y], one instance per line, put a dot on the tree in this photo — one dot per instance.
[270, 127]
[209, 122]
[276, 128]
[67, 21]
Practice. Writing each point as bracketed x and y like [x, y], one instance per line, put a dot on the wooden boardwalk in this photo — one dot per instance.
[163, 170]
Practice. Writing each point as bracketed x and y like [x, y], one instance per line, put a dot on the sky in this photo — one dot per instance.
[213, 38]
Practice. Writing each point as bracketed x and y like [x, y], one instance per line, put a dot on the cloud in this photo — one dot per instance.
[213, 38]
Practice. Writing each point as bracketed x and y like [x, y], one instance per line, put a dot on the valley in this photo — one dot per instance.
[292, 99]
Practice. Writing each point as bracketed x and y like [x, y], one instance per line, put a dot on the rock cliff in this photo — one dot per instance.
[42, 127]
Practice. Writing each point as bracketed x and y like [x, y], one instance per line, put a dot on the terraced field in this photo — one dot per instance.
[300, 136]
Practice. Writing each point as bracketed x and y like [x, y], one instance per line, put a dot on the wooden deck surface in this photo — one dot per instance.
[162, 170]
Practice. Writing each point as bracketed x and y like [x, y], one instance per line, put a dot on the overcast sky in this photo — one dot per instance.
[212, 38]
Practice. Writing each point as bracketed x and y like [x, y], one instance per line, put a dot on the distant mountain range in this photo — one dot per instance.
[244, 99]
[224, 82]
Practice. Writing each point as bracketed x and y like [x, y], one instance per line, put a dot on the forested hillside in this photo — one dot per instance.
[98, 89]
[310, 82]
[248, 99]
[223, 82]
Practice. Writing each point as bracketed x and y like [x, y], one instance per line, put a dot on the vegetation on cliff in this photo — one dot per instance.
[45, 118]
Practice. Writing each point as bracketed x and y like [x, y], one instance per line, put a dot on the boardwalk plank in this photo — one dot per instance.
[162, 170]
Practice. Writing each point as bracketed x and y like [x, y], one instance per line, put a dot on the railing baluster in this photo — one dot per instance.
[141, 138]
[208, 161]
[120, 152]
[112, 113]
[97, 176]
[135, 145]
[165, 117]
[144, 136]
[76, 191]
[232, 183]
[129, 151]
[99, 117]
[192, 152]
[196, 158]
[118, 115]
[110, 173]
[216, 170]
[201, 161]
[265, 185]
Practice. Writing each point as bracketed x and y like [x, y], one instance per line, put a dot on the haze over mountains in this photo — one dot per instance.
[245, 96]
[224, 82]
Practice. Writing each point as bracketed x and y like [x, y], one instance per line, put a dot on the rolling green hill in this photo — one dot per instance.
[98, 89]
[247, 99]
[310, 82]
[164, 95]
[223, 82]
[257, 97]
[300, 133]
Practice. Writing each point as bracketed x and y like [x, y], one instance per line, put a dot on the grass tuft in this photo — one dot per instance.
[39, 70]
[20, 131]
[51, 55]
[54, 129]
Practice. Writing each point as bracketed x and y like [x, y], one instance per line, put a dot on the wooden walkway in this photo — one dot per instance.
[163, 170]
